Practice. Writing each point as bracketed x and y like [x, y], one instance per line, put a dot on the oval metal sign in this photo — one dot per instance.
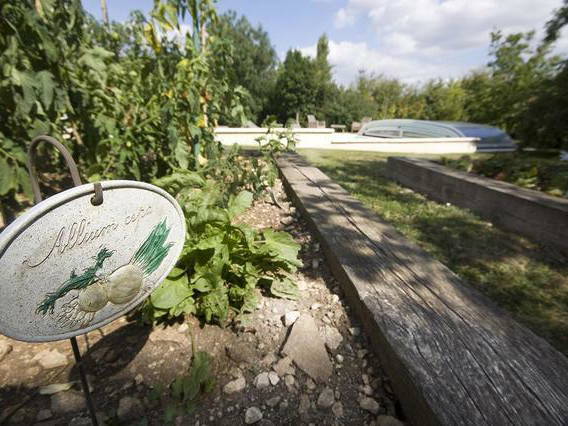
[68, 267]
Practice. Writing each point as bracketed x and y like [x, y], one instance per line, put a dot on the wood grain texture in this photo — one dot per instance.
[453, 356]
[534, 214]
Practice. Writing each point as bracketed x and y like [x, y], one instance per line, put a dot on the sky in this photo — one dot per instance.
[413, 40]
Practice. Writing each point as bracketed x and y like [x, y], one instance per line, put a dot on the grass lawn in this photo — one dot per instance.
[527, 280]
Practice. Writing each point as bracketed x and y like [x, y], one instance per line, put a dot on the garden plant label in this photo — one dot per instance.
[68, 266]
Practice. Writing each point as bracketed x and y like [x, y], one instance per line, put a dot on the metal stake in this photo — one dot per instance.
[84, 382]
[37, 198]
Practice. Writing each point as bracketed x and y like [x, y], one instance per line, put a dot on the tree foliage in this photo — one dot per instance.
[296, 88]
[130, 100]
[253, 64]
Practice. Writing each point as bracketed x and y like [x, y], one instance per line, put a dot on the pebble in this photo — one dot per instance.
[273, 377]
[273, 402]
[129, 408]
[44, 414]
[236, 372]
[310, 384]
[289, 380]
[339, 358]
[235, 385]
[253, 415]
[183, 328]
[5, 349]
[326, 398]
[290, 318]
[288, 220]
[50, 359]
[362, 353]
[242, 353]
[337, 409]
[139, 379]
[355, 331]
[304, 403]
[67, 402]
[369, 404]
[315, 306]
[269, 359]
[367, 390]
[333, 337]
[262, 381]
[284, 404]
[54, 388]
[334, 299]
[282, 366]
[365, 378]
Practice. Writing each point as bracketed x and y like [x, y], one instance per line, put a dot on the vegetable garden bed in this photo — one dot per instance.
[529, 281]
[132, 367]
[531, 213]
[544, 173]
[456, 357]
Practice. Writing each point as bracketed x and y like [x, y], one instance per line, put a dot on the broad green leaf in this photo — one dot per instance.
[182, 154]
[172, 291]
[282, 245]
[202, 284]
[23, 179]
[7, 177]
[240, 203]
[199, 375]
[187, 306]
[215, 304]
[284, 288]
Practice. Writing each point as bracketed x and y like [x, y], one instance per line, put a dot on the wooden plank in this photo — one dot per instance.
[453, 356]
[531, 213]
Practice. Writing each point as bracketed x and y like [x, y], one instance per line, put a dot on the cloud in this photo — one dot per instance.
[443, 24]
[344, 18]
[420, 39]
[348, 58]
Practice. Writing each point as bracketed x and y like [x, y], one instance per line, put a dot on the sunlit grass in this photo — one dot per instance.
[527, 280]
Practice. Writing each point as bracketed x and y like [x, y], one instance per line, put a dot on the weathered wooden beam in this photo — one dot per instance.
[534, 214]
[453, 356]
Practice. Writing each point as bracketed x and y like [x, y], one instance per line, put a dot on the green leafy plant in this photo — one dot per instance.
[199, 380]
[224, 263]
[184, 393]
[132, 100]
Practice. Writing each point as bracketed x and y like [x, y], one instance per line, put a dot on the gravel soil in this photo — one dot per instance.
[131, 366]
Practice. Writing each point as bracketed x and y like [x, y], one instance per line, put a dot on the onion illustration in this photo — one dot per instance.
[92, 292]
[124, 284]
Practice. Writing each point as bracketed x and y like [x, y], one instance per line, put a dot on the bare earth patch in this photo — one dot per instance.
[131, 366]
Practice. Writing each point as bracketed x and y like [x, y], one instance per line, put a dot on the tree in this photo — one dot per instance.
[324, 78]
[545, 123]
[514, 77]
[558, 21]
[444, 101]
[254, 60]
[296, 89]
